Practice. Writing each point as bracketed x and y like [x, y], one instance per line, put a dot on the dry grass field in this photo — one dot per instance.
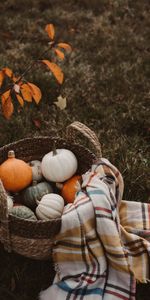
[106, 85]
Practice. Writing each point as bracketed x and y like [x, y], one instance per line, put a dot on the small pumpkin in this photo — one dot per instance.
[70, 188]
[59, 165]
[36, 170]
[32, 194]
[15, 173]
[50, 207]
[23, 212]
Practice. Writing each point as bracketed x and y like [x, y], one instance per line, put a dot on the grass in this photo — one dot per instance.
[106, 86]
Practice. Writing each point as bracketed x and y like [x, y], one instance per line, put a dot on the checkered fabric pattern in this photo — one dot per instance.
[104, 243]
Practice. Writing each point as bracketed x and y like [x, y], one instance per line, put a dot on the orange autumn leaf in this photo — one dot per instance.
[35, 92]
[26, 92]
[20, 100]
[59, 53]
[5, 96]
[8, 72]
[49, 28]
[55, 69]
[1, 78]
[64, 46]
[14, 78]
[7, 108]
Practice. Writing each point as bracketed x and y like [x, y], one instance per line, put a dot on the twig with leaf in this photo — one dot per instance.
[18, 88]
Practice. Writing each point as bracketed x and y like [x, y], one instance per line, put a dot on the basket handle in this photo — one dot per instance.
[4, 219]
[75, 127]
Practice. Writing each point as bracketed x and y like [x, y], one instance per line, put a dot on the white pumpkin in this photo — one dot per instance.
[59, 165]
[36, 170]
[50, 207]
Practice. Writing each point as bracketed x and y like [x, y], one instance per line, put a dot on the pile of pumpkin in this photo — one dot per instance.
[40, 189]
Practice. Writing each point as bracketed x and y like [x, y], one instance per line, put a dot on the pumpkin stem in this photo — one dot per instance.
[54, 149]
[59, 185]
[11, 154]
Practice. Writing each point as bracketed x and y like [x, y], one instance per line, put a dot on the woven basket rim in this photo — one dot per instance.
[13, 217]
[40, 137]
[4, 147]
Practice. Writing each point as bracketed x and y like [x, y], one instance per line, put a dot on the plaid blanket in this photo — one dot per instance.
[104, 244]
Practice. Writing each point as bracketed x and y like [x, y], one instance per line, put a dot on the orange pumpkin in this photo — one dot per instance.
[70, 187]
[15, 173]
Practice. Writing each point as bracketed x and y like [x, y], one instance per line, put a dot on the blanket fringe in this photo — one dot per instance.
[146, 280]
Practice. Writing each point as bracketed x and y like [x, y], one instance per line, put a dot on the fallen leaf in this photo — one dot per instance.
[6, 35]
[37, 123]
[61, 103]
[55, 69]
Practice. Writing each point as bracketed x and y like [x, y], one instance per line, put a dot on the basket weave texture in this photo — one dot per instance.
[34, 239]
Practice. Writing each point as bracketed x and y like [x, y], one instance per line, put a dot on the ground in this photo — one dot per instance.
[106, 86]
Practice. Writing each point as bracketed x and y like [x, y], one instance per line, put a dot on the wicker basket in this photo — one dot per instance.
[34, 239]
